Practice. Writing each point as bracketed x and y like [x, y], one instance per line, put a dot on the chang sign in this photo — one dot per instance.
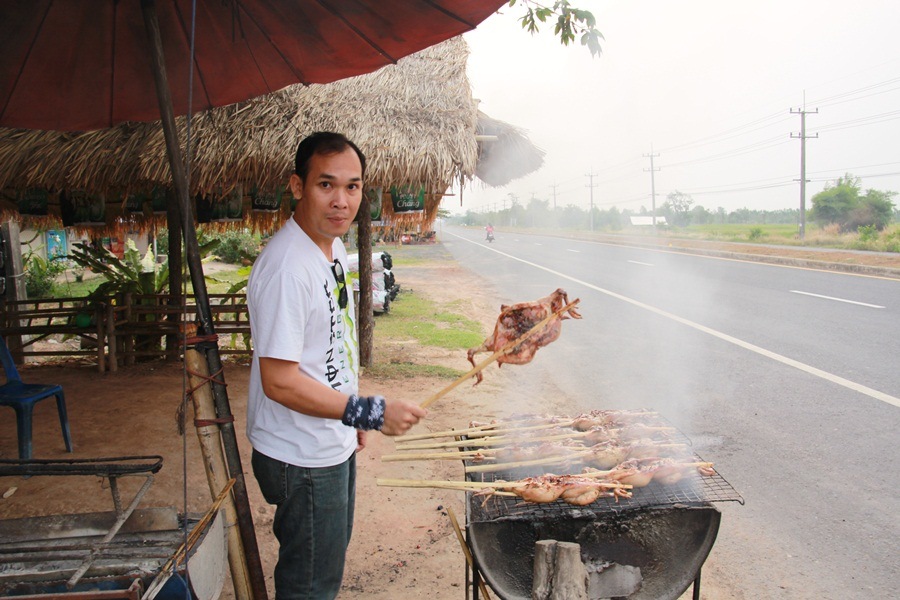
[408, 199]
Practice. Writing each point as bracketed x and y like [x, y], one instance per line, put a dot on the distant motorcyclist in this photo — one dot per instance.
[489, 232]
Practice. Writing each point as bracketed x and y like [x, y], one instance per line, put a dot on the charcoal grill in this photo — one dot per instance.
[650, 546]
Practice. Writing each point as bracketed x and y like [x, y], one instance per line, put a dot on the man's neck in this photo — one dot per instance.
[326, 245]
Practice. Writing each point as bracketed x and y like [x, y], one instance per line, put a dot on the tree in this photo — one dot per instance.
[678, 207]
[700, 216]
[842, 204]
[835, 203]
[879, 208]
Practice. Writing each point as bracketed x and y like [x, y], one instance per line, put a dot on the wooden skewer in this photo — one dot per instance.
[550, 460]
[468, 554]
[465, 486]
[489, 432]
[481, 485]
[576, 452]
[514, 439]
[486, 429]
[497, 441]
[509, 346]
[434, 456]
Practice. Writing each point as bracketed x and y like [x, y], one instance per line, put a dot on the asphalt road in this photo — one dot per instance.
[787, 379]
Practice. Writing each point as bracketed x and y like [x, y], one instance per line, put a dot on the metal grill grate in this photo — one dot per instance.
[692, 490]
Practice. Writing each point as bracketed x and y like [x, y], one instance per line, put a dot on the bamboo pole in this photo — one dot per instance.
[216, 467]
[509, 346]
[192, 254]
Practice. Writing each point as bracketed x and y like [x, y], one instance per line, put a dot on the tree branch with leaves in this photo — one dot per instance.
[570, 22]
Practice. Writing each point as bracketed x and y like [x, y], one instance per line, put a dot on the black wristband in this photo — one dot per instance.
[365, 412]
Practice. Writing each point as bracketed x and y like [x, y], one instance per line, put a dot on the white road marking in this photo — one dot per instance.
[850, 385]
[637, 262]
[836, 299]
[571, 250]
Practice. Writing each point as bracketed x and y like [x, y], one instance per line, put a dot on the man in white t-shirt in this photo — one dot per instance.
[304, 417]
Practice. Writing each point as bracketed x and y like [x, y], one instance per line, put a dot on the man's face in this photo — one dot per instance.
[329, 196]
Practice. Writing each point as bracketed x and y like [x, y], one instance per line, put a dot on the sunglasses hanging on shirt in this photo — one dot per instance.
[338, 272]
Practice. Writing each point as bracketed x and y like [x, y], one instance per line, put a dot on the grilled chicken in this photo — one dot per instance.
[516, 320]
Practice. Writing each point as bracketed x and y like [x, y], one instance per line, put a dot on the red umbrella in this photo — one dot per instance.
[85, 64]
[73, 65]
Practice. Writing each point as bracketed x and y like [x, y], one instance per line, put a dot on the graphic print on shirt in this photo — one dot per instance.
[339, 358]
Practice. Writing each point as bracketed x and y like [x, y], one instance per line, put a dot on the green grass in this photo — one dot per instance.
[408, 370]
[220, 281]
[745, 231]
[69, 288]
[414, 317]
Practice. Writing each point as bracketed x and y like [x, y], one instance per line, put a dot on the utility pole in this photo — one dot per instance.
[553, 187]
[652, 184]
[803, 112]
[591, 185]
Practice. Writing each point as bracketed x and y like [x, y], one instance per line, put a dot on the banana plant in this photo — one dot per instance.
[132, 273]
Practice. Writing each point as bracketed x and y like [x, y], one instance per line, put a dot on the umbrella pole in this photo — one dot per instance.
[192, 255]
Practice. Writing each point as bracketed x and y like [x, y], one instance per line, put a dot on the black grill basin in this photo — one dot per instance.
[651, 553]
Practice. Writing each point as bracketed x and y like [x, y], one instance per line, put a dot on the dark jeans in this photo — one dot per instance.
[313, 523]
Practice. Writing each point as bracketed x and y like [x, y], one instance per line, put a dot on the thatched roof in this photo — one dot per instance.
[507, 154]
[415, 121]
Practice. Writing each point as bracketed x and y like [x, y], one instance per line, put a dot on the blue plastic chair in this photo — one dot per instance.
[23, 396]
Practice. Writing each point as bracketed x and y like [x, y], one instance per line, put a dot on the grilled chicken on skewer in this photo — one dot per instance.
[517, 319]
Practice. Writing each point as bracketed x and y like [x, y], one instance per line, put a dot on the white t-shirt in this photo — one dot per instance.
[292, 297]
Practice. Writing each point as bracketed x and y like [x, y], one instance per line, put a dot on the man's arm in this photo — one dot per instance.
[283, 382]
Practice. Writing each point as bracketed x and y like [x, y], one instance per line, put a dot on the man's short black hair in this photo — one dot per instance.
[323, 143]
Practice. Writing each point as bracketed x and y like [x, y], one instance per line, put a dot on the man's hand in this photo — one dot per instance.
[400, 416]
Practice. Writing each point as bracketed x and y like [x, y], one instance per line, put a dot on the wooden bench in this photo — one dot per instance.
[138, 324]
[23, 323]
[117, 331]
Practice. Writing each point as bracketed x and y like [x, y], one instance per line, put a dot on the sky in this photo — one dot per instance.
[707, 87]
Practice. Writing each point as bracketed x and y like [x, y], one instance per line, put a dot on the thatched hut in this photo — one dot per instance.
[416, 121]
[504, 152]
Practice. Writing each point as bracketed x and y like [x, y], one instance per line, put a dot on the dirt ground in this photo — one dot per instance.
[403, 543]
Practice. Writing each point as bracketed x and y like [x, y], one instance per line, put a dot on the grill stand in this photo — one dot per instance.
[668, 545]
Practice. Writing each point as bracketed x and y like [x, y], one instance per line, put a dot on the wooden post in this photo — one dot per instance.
[216, 468]
[15, 284]
[99, 316]
[112, 342]
[129, 337]
[559, 573]
[366, 318]
[544, 560]
[571, 579]
[192, 254]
